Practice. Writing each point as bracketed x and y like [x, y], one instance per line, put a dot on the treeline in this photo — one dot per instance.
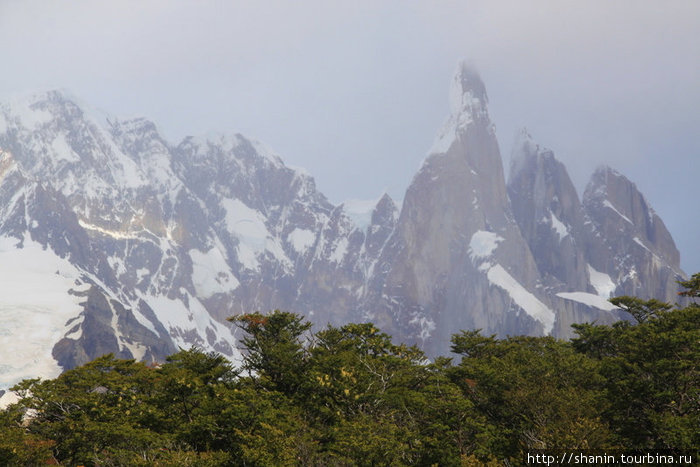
[349, 396]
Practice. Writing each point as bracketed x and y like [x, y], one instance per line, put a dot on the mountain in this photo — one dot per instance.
[457, 259]
[113, 239]
[588, 251]
[627, 240]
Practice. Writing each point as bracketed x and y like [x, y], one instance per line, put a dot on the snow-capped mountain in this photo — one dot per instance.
[113, 239]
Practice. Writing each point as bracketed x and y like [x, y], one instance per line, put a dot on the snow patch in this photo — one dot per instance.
[211, 274]
[608, 204]
[33, 322]
[639, 242]
[524, 299]
[30, 118]
[444, 139]
[483, 244]
[138, 351]
[71, 324]
[427, 326]
[116, 234]
[559, 227]
[601, 282]
[7, 399]
[248, 225]
[301, 239]
[62, 150]
[596, 301]
[339, 252]
[188, 326]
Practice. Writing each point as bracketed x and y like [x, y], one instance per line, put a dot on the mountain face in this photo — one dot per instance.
[626, 239]
[456, 259]
[113, 239]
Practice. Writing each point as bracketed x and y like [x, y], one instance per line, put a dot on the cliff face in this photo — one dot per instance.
[549, 214]
[457, 259]
[626, 239]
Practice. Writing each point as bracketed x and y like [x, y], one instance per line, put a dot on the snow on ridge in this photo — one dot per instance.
[464, 109]
[109, 233]
[589, 299]
[230, 141]
[444, 139]
[21, 108]
[524, 299]
[471, 99]
[601, 282]
[466, 105]
[608, 204]
[639, 242]
[483, 244]
[360, 211]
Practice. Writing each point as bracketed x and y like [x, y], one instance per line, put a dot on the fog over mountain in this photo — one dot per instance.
[115, 239]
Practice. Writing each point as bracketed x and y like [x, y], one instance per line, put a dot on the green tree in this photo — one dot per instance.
[535, 393]
[691, 286]
[275, 350]
[382, 403]
[641, 310]
[651, 376]
[18, 447]
[95, 412]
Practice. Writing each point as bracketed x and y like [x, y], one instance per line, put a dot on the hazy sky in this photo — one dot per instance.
[355, 91]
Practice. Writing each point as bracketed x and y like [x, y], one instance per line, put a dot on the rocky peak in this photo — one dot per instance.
[539, 185]
[627, 241]
[547, 209]
[615, 205]
[524, 153]
[468, 109]
[467, 92]
[456, 238]
[385, 211]
[134, 129]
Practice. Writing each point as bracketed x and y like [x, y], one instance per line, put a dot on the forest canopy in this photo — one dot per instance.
[350, 396]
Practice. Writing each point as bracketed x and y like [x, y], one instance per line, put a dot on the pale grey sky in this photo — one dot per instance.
[355, 91]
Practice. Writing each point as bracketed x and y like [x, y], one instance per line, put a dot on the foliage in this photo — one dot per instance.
[691, 286]
[275, 349]
[19, 447]
[350, 396]
[535, 393]
[651, 377]
[641, 310]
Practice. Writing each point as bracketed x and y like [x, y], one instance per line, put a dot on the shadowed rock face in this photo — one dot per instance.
[550, 216]
[626, 239]
[158, 243]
